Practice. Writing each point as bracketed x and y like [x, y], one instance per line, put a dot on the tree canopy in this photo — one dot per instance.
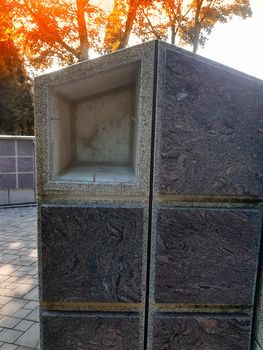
[39, 33]
[68, 31]
[16, 102]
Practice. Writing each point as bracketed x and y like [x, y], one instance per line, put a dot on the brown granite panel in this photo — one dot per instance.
[73, 331]
[25, 164]
[201, 332]
[26, 181]
[92, 254]
[7, 165]
[210, 130]
[25, 147]
[7, 147]
[7, 181]
[207, 256]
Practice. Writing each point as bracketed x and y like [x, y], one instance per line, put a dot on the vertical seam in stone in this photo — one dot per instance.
[151, 195]
[259, 281]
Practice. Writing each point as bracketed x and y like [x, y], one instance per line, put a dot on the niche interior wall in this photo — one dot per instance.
[150, 169]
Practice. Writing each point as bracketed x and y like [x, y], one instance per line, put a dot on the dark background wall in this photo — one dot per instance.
[17, 169]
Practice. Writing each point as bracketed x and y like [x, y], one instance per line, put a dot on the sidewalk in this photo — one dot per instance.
[19, 319]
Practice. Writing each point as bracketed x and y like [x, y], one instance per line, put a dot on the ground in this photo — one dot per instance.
[19, 309]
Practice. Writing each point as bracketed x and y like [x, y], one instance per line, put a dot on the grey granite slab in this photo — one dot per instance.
[7, 148]
[90, 331]
[207, 256]
[92, 254]
[25, 147]
[202, 332]
[209, 133]
[26, 181]
[25, 164]
[7, 181]
[8, 165]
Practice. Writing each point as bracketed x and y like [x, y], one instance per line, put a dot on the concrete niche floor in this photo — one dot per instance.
[19, 319]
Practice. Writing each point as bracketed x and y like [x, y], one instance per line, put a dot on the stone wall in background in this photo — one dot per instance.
[17, 169]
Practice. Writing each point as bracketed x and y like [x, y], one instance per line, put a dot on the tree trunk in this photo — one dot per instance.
[133, 6]
[197, 25]
[113, 22]
[173, 34]
[197, 31]
[82, 28]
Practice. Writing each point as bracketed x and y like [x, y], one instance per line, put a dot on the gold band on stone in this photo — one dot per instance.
[193, 308]
[89, 306]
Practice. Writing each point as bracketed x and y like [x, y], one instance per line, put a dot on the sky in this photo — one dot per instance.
[239, 43]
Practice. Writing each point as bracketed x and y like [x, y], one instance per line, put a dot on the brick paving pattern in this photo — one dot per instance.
[19, 309]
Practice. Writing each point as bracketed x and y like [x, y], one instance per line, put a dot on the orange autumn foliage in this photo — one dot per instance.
[8, 51]
[68, 31]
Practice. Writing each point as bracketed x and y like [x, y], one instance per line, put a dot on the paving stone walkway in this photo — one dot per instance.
[19, 318]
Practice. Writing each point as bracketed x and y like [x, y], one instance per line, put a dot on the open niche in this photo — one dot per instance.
[94, 127]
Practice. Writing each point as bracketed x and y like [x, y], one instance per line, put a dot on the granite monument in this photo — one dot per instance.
[150, 188]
